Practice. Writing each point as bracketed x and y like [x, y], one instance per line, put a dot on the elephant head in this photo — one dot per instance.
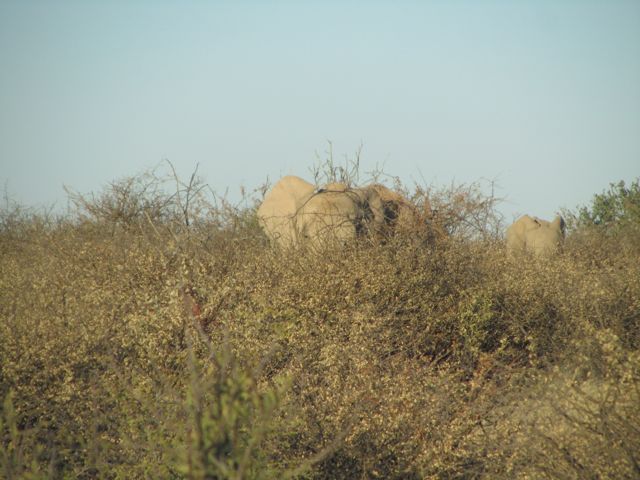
[399, 215]
[277, 214]
[336, 213]
[540, 237]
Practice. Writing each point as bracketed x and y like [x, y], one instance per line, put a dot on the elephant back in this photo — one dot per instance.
[278, 211]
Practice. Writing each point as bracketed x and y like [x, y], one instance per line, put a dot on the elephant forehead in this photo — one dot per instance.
[330, 203]
[542, 222]
[527, 222]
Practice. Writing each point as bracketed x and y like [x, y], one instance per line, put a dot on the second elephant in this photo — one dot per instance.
[540, 237]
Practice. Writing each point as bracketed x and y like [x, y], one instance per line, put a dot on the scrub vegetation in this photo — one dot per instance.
[147, 334]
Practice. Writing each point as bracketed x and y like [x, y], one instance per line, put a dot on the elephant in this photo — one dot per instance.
[294, 213]
[278, 212]
[532, 234]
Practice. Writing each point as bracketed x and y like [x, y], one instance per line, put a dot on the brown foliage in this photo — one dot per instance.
[409, 358]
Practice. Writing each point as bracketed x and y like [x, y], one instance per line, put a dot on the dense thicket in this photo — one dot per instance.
[148, 335]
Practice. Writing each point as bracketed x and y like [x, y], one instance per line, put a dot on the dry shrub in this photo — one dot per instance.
[417, 356]
[579, 420]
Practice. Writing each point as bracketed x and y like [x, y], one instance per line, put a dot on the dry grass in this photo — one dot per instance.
[159, 336]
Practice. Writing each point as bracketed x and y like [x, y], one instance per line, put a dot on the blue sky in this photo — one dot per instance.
[541, 96]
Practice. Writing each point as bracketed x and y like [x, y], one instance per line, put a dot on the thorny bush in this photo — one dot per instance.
[147, 335]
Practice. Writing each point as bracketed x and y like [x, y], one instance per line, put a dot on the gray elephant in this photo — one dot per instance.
[540, 237]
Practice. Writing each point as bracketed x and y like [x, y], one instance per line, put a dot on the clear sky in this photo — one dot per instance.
[541, 96]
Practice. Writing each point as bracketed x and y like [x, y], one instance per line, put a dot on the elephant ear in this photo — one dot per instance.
[377, 205]
[391, 210]
[388, 202]
[559, 224]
